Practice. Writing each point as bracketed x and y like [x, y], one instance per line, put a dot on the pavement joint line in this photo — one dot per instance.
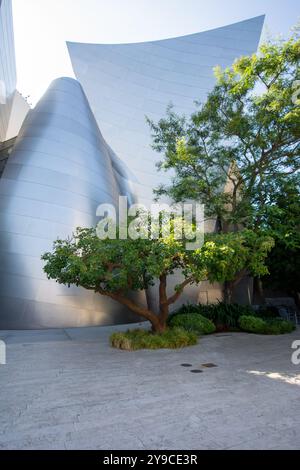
[67, 335]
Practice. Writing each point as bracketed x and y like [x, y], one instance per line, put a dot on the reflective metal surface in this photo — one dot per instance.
[61, 169]
[8, 75]
[125, 82]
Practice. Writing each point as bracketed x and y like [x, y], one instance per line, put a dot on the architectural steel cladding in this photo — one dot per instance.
[125, 82]
[8, 75]
[61, 169]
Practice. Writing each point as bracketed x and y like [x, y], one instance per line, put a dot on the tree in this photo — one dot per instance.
[240, 141]
[114, 268]
[282, 222]
[230, 257]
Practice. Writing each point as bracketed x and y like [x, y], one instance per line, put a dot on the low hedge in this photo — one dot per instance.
[230, 317]
[257, 325]
[252, 324]
[172, 338]
[193, 322]
[224, 316]
[279, 327]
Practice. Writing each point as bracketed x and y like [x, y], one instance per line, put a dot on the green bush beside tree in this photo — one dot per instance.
[193, 322]
[257, 325]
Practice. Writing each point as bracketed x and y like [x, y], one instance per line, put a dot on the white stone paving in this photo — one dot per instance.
[67, 389]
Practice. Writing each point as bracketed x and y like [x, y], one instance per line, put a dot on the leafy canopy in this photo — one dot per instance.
[229, 153]
[119, 266]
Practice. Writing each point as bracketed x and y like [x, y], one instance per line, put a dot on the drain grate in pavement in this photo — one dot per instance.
[186, 365]
[209, 365]
[196, 371]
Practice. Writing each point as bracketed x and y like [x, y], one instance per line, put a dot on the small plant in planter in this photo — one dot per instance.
[173, 338]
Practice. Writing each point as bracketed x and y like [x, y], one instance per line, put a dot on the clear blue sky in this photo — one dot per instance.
[43, 26]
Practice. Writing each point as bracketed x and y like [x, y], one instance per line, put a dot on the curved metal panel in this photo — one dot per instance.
[61, 169]
[125, 82]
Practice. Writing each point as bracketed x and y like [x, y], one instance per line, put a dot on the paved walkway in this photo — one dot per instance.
[67, 389]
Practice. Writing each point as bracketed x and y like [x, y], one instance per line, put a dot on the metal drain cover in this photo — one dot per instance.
[197, 371]
[209, 365]
[186, 365]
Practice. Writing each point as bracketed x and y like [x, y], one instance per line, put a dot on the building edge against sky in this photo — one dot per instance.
[8, 74]
[13, 107]
[60, 170]
[47, 191]
[126, 82]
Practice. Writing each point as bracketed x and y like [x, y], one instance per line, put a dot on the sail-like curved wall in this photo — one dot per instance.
[125, 82]
[61, 169]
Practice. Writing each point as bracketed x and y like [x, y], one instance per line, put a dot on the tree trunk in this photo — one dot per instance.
[229, 286]
[228, 292]
[163, 302]
[158, 322]
[259, 290]
[159, 327]
[135, 308]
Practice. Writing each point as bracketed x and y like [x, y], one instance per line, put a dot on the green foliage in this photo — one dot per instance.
[193, 322]
[116, 267]
[230, 256]
[113, 265]
[257, 325]
[173, 338]
[227, 315]
[267, 312]
[243, 139]
[221, 314]
[233, 317]
[282, 221]
[252, 324]
[279, 327]
[107, 266]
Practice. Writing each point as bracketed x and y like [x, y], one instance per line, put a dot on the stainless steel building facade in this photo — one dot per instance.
[62, 167]
[8, 76]
[126, 82]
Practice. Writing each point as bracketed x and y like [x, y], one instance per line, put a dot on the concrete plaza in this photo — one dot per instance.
[67, 389]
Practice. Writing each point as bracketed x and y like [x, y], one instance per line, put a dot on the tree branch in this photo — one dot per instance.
[181, 288]
[138, 309]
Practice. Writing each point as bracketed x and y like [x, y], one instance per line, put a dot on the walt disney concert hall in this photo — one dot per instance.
[86, 143]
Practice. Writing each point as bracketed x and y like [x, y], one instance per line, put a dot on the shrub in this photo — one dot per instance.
[193, 322]
[252, 324]
[268, 327]
[173, 338]
[279, 327]
[267, 312]
[221, 314]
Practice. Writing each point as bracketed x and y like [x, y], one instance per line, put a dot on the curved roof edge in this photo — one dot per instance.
[259, 19]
